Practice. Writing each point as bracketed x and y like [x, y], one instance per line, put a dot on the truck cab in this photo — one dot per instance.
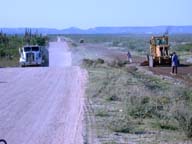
[30, 55]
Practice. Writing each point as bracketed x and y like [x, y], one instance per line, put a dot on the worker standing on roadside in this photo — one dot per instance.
[174, 63]
[129, 57]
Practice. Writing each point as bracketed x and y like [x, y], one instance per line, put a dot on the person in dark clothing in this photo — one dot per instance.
[129, 57]
[174, 63]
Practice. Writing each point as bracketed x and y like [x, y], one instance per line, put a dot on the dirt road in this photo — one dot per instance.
[43, 105]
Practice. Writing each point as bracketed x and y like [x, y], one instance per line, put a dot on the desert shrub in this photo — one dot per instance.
[101, 113]
[74, 44]
[81, 41]
[168, 126]
[99, 61]
[140, 107]
[88, 62]
[131, 69]
[117, 63]
[184, 117]
[148, 107]
[155, 84]
[2, 52]
[165, 125]
[122, 124]
[164, 100]
[145, 100]
[112, 98]
[187, 95]
[121, 63]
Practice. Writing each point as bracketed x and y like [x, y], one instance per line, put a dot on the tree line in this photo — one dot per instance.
[9, 44]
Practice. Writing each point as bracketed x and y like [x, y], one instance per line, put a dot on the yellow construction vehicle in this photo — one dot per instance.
[159, 51]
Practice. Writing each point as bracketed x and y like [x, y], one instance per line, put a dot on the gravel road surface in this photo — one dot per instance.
[43, 105]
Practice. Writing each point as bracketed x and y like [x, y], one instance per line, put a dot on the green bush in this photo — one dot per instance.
[101, 113]
[183, 47]
[122, 125]
[112, 98]
[88, 62]
[184, 117]
[140, 107]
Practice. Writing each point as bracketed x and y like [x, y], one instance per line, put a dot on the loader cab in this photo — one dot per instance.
[159, 50]
[159, 46]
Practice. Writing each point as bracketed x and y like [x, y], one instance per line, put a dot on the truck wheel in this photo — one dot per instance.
[3, 141]
[21, 65]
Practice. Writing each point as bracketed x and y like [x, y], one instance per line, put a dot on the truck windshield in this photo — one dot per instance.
[26, 49]
[35, 48]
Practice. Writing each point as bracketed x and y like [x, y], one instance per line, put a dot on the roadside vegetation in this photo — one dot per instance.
[128, 102]
[131, 104]
[10, 44]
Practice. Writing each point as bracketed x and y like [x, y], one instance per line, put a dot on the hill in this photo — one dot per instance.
[106, 30]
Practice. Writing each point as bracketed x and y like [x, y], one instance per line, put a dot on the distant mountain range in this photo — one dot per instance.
[106, 30]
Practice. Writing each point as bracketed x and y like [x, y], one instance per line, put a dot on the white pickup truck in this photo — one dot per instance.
[30, 55]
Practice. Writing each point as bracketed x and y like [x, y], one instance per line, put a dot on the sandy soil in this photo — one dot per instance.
[43, 105]
[184, 73]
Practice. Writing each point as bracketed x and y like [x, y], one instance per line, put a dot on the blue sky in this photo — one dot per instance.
[92, 13]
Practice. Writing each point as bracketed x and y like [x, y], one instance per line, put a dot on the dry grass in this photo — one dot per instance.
[4, 62]
[129, 103]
